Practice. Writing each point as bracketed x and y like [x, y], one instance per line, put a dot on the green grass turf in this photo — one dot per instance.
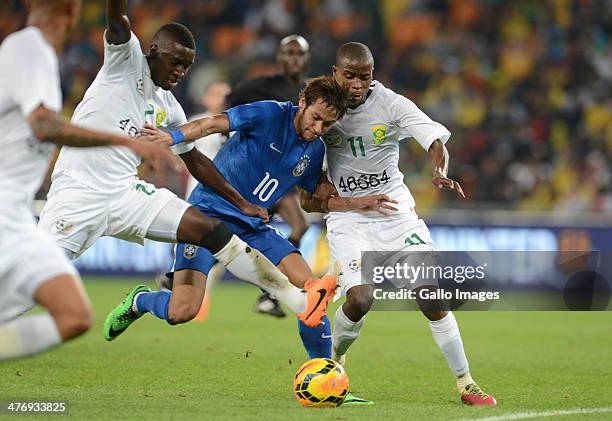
[240, 365]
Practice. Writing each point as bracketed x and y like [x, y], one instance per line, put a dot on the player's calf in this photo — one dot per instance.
[188, 291]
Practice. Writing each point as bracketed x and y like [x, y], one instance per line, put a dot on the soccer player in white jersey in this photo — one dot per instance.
[97, 192]
[32, 268]
[362, 152]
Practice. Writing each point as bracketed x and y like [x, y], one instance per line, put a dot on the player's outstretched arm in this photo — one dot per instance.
[189, 132]
[118, 29]
[48, 126]
[206, 173]
[326, 199]
[440, 159]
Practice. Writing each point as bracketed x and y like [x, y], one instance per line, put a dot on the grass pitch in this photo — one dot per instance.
[240, 365]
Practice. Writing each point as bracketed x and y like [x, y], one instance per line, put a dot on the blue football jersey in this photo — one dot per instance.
[264, 159]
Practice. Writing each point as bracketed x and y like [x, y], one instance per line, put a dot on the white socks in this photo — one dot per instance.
[345, 333]
[446, 334]
[27, 336]
[255, 268]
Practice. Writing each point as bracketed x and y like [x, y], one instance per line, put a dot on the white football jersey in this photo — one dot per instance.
[121, 99]
[30, 78]
[362, 150]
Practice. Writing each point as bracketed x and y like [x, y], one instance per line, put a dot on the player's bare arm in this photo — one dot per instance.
[322, 202]
[189, 132]
[440, 159]
[118, 30]
[48, 126]
[203, 170]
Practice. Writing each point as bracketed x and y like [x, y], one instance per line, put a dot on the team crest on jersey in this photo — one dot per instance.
[190, 251]
[160, 116]
[332, 140]
[301, 166]
[379, 133]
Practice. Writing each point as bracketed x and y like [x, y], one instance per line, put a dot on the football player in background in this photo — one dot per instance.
[362, 157]
[97, 192]
[33, 269]
[293, 57]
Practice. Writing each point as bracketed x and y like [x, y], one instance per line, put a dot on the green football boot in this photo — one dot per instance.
[123, 315]
[351, 399]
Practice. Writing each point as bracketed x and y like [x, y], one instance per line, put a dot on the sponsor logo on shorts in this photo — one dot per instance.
[190, 251]
[355, 265]
[63, 226]
[301, 166]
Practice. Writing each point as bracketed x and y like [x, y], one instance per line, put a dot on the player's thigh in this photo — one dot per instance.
[28, 259]
[133, 212]
[346, 243]
[407, 242]
[195, 225]
[74, 217]
[403, 234]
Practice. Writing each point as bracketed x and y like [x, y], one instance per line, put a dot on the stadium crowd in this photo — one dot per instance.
[524, 86]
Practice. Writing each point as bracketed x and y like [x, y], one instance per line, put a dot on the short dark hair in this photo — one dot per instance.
[331, 92]
[354, 52]
[177, 32]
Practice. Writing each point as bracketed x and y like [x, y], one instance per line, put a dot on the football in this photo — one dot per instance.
[321, 382]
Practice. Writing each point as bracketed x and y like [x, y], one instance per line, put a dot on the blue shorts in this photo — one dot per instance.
[264, 238]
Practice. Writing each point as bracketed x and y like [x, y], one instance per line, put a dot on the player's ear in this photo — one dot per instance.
[153, 51]
[302, 102]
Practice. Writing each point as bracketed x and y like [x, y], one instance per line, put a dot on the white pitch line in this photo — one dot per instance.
[526, 415]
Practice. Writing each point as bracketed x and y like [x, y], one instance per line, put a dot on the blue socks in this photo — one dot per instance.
[317, 340]
[155, 303]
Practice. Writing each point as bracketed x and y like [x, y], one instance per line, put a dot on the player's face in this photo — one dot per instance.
[293, 59]
[357, 77]
[314, 120]
[169, 63]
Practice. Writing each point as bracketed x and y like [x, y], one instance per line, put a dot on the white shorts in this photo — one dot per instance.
[28, 258]
[347, 241]
[75, 215]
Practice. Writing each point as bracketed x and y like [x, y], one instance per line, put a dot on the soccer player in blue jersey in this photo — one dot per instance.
[276, 146]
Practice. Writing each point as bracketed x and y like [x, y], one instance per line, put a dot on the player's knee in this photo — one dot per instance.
[182, 313]
[74, 321]
[360, 304]
[216, 238]
[435, 315]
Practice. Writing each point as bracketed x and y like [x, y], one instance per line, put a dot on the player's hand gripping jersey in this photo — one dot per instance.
[363, 149]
